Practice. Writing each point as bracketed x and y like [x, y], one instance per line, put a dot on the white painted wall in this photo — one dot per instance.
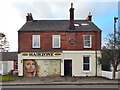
[10, 65]
[20, 65]
[0, 68]
[4, 63]
[118, 67]
[75, 56]
[6, 66]
[77, 64]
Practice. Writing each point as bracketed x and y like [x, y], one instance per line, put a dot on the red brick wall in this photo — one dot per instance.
[25, 40]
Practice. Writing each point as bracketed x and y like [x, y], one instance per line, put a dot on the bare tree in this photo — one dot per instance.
[4, 44]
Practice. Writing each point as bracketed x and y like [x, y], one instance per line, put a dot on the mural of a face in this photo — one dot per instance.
[30, 68]
[41, 68]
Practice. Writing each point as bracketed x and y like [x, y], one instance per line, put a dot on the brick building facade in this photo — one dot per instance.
[59, 47]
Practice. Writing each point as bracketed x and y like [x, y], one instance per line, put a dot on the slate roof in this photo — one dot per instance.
[58, 25]
[8, 56]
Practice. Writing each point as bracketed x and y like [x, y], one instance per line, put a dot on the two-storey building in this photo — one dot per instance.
[59, 47]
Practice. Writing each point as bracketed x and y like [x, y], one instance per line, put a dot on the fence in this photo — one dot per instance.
[109, 74]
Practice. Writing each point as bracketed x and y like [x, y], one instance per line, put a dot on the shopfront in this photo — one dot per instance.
[65, 63]
[33, 64]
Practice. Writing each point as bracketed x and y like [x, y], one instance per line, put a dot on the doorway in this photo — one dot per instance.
[67, 67]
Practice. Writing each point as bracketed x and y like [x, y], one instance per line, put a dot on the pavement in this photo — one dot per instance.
[60, 81]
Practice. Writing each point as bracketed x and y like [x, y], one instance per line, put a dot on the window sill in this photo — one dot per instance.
[87, 47]
[86, 71]
[56, 47]
[36, 48]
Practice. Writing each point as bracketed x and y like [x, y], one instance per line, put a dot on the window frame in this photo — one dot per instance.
[90, 40]
[86, 63]
[33, 41]
[53, 41]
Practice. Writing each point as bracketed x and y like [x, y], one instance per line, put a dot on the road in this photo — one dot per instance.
[63, 86]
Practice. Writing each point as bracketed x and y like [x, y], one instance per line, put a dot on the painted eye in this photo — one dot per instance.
[33, 63]
[28, 63]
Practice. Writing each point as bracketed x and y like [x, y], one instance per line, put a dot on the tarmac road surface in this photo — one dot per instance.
[63, 86]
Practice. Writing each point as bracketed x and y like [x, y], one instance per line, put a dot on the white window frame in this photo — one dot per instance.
[87, 40]
[53, 41]
[33, 41]
[89, 64]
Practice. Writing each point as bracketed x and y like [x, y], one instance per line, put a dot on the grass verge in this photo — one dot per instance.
[7, 77]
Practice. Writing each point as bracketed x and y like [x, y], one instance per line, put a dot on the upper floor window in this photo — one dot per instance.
[56, 41]
[86, 63]
[35, 41]
[87, 41]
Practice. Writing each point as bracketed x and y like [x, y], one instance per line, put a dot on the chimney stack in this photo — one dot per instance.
[29, 17]
[71, 27]
[89, 17]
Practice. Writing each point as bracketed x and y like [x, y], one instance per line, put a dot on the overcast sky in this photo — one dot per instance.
[13, 14]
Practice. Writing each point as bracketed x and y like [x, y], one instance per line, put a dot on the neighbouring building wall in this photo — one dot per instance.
[3, 68]
[6, 67]
[10, 66]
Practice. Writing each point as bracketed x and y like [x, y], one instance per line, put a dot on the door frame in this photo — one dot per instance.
[68, 66]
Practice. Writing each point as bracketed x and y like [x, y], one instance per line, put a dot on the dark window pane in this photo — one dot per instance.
[87, 37]
[87, 41]
[86, 60]
[86, 67]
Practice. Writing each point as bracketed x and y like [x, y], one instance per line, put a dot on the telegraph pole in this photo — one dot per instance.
[115, 20]
[114, 61]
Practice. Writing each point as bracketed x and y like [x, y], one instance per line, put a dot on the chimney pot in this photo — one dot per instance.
[71, 5]
[71, 27]
[29, 17]
[89, 17]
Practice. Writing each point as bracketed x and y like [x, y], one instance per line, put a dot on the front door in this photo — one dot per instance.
[67, 67]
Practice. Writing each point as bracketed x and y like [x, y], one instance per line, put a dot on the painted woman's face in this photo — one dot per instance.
[30, 65]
